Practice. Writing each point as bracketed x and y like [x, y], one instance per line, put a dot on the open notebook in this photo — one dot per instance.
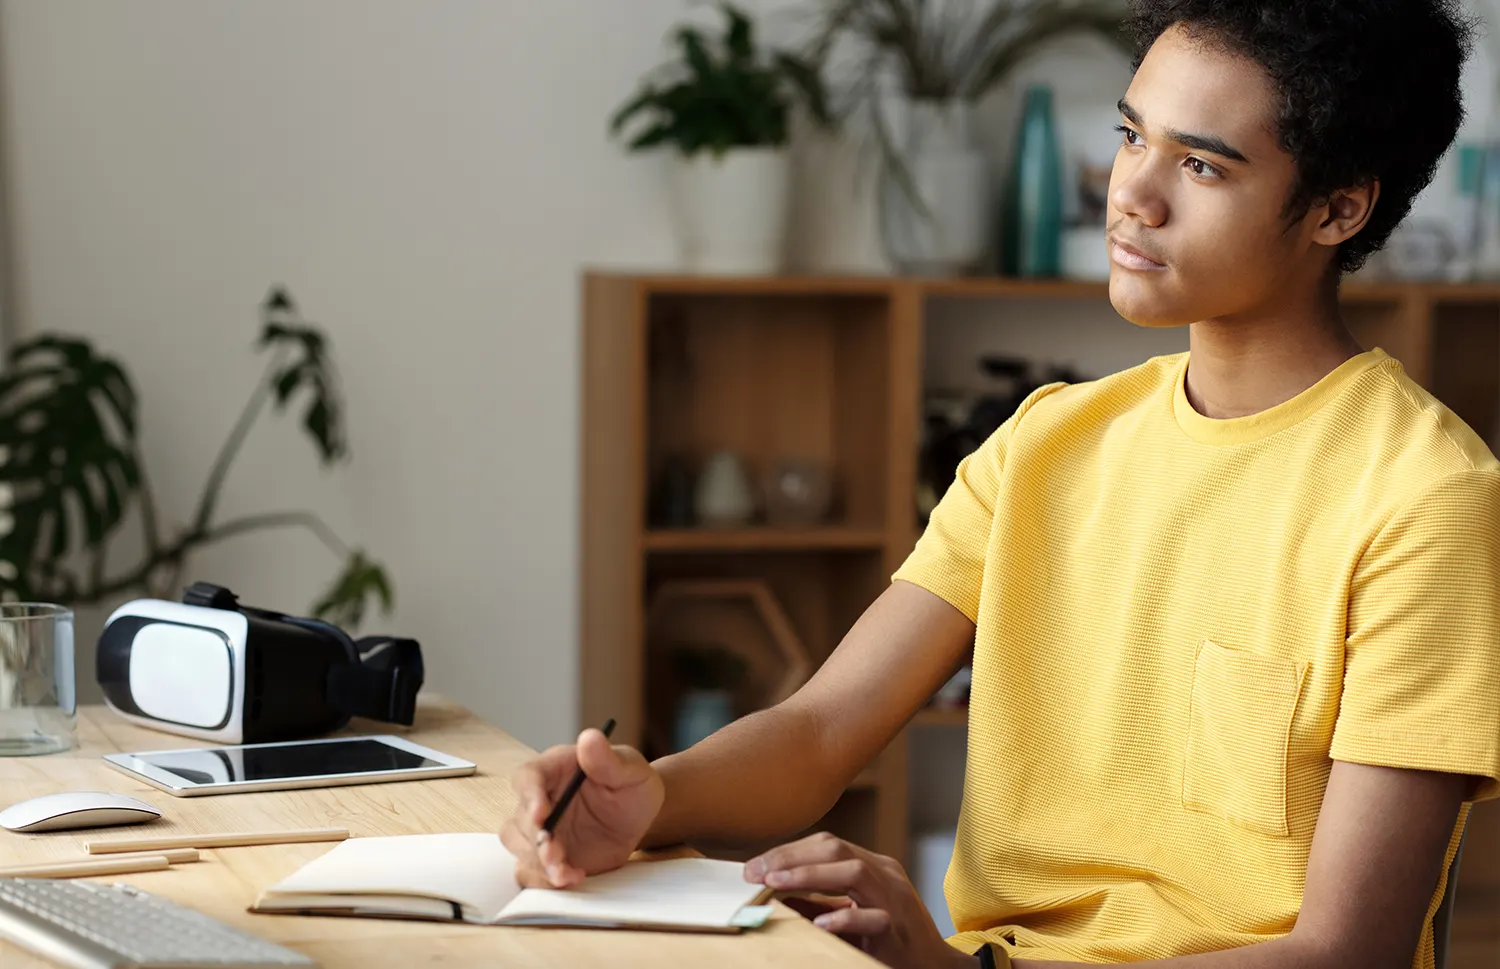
[471, 878]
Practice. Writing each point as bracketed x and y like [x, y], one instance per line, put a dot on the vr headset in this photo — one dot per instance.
[210, 668]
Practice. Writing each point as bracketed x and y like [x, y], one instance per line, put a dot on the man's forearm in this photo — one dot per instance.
[762, 777]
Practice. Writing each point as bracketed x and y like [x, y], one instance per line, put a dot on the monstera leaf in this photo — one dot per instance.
[68, 465]
[309, 367]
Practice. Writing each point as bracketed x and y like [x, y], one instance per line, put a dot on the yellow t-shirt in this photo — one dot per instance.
[1181, 623]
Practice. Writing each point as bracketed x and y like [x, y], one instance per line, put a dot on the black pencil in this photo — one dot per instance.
[573, 786]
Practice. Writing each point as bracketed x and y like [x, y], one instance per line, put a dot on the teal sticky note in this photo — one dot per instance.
[752, 916]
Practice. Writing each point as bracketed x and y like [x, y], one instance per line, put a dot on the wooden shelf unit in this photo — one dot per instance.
[831, 367]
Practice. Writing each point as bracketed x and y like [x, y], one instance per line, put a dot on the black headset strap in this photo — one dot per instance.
[383, 685]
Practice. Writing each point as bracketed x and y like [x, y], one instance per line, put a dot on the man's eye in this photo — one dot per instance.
[1130, 135]
[1201, 168]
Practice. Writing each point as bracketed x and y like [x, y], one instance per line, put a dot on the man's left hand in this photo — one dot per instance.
[885, 917]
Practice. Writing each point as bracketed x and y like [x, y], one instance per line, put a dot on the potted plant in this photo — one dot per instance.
[934, 197]
[725, 108]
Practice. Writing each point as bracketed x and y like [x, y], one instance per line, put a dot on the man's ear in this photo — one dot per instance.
[1345, 213]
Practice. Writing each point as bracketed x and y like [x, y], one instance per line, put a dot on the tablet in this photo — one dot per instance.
[331, 762]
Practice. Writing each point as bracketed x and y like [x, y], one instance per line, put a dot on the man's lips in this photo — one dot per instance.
[1125, 255]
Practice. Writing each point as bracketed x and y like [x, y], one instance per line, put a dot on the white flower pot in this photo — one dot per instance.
[731, 210]
[944, 229]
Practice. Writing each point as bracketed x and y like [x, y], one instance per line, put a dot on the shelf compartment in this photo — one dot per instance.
[822, 592]
[773, 377]
[739, 616]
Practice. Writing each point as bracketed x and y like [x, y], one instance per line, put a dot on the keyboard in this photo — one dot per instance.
[84, 925]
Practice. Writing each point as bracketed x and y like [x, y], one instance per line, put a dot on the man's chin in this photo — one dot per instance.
[1146, 302]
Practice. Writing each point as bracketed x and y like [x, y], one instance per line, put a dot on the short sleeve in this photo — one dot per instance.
[1422, 655]
[949, 558]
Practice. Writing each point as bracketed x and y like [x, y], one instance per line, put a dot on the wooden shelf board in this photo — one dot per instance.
[1002, 287]
[942, 717]
[999, 287]
[669, 284]
[832, 537]
[1482, 292]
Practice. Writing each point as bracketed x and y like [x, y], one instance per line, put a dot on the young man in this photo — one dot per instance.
[1234, 614]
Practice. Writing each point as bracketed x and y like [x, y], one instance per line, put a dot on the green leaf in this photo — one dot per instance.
[115, 385]
[114, 488]
[639, 103]
[319, 423]
[310, 368]
[273, 333]
[652, 137]
[696, 54]
[740, 37]
[345, 601]
[279, 300]
[67, 422]
[286, 384]
[91, 510]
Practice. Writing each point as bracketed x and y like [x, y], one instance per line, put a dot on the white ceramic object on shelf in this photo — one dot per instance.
[798, 491]
[730, 210]
[945, 228]
[723, 498]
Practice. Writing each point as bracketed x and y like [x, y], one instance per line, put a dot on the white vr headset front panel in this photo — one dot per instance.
[187, 668]
[182, 673]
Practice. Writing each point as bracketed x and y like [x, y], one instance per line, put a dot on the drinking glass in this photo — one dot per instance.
[37, 700]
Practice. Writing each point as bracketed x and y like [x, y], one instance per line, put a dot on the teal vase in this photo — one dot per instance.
[1031, 241]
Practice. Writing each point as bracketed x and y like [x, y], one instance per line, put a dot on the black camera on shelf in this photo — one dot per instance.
[954, 426]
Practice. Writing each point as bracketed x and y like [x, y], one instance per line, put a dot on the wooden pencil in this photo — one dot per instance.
[88, 868]
[224, 839]
[177, 856]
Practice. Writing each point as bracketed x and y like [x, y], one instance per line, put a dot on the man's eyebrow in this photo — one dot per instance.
[1209, 143]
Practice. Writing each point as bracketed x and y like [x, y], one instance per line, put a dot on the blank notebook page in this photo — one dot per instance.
[474, 870]
[685, 891]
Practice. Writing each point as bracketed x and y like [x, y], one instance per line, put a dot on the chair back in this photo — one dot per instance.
[1442, 919]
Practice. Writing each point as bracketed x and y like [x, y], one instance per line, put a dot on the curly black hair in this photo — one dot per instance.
[1368, 89]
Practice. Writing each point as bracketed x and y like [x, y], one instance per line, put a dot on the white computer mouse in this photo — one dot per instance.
[76, 809]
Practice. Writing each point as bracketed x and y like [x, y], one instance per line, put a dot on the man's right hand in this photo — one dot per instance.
[605, 822]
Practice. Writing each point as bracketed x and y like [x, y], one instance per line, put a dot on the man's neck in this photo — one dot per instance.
[1242, 366]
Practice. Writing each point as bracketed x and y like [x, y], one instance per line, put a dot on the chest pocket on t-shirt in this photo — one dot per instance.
[1239, 725]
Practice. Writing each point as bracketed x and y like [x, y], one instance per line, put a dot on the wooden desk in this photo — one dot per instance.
[225, 882]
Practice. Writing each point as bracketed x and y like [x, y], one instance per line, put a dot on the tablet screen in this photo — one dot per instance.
[278, 762]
